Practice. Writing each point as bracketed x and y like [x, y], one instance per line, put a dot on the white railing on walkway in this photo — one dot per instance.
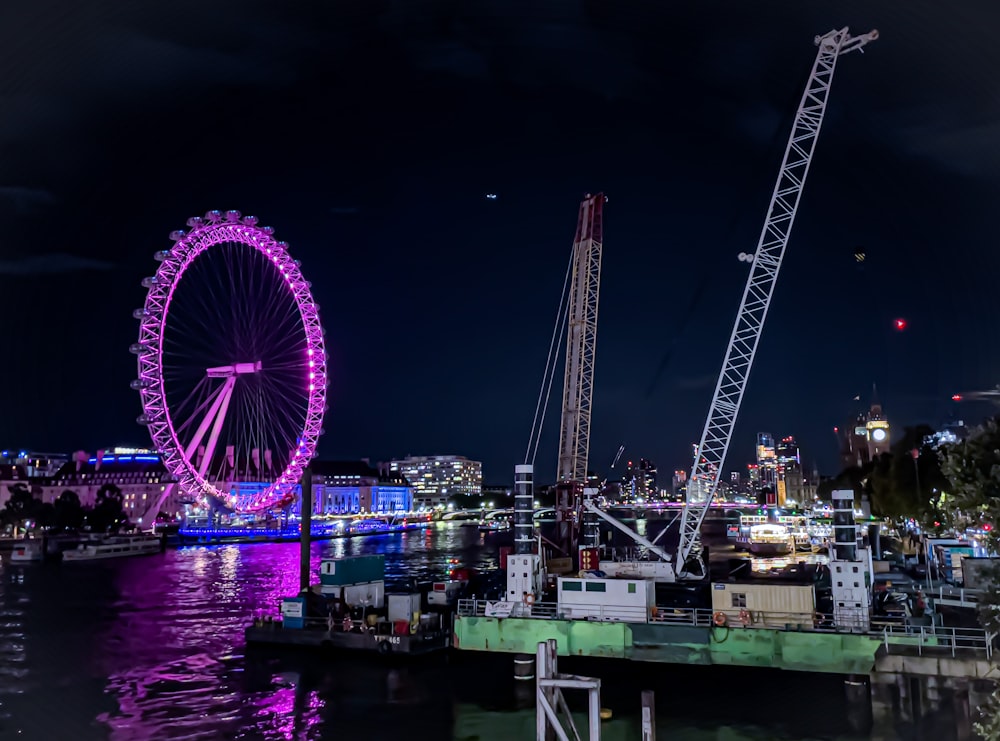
[937, 640]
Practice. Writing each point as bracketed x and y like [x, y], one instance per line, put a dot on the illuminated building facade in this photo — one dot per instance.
[639, 481]
[767, 463]
[138, 473]
[436, 478]
[33, 463]
[678, 486]
[355, 487]
[790, 481]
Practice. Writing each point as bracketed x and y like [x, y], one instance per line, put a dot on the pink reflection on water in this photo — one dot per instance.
[172, 645]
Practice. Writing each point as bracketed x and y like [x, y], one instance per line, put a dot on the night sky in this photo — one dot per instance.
[368, 134]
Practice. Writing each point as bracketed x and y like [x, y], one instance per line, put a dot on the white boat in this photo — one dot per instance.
[27, 550]
[115, 546]
[770, 540]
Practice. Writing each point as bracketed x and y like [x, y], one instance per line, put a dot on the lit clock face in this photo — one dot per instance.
[878, 434]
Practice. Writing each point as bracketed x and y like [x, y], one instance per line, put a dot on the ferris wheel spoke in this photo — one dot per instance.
[284, 327]
[199, 399]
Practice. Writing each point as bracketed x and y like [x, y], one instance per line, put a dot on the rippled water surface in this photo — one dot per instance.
[152, 648]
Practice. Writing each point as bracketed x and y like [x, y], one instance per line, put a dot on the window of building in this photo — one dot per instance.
[739, 599]
[572, 586]
[631, 588]
[596, 586]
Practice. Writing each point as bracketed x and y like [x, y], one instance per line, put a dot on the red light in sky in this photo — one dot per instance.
[956, 397]
[900, 324]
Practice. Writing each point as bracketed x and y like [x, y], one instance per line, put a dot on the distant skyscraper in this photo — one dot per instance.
[436, 478]
[640, 479]
[790, 480]
[679, 484]
[767, 462]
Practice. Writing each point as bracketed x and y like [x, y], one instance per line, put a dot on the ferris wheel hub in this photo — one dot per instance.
[236, 369]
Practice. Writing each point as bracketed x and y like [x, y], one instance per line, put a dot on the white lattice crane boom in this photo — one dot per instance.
[710, 455]
[581, 341]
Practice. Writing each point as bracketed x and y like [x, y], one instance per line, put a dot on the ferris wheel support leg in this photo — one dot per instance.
[149, 516]
[213, 439]
[205, 422]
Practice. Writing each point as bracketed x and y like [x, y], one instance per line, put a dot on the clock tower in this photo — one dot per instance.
[867, 436]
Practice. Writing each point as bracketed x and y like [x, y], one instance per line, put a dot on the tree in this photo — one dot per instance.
[852, 477]
[21, 505]
[69, 513]
[107, 514]
[908, 481]
[973, 470]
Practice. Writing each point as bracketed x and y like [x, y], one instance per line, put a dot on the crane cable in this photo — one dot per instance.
[550, 366]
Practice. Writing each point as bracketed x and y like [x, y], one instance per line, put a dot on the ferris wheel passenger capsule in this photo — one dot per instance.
[161, 255]
[269, 230]
[195, 221]
[142, 419]
[213, 217]
[138, 348]
[139, 384]
[140, 314]
[149, 281]
[177, 234]
[283, 245]
[250, 220]
[233, 216]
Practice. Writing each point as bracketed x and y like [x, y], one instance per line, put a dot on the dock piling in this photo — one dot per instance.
[306, 536]
[648, 716]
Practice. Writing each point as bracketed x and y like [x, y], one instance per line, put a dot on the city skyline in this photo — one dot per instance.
[379, 143]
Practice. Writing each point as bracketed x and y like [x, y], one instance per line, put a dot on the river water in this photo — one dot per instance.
[152, 648]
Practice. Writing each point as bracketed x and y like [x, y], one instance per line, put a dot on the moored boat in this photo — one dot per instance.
[115, 546]
[27, 550]
[770, 540]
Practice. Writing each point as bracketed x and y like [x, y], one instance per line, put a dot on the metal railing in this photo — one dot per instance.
[954, 594]
[741, 617]
[897, 636]
[938, 641]
[699, 617]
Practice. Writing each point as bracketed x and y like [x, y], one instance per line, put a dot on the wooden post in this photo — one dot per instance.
[648, 716]
[306, 505]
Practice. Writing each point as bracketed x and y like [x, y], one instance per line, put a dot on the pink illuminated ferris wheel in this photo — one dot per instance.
[232, 367]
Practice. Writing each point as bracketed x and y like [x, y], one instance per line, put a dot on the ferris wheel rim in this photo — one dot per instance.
[216, 229]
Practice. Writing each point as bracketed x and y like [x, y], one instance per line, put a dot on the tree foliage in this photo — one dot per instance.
[108, 515]
[908, 481]
[898, 484]
[973, 468]
[67, 513]
[19, 507]
[852, 477]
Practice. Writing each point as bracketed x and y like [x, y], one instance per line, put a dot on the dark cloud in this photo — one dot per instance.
[50, 264]
[25, 200]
